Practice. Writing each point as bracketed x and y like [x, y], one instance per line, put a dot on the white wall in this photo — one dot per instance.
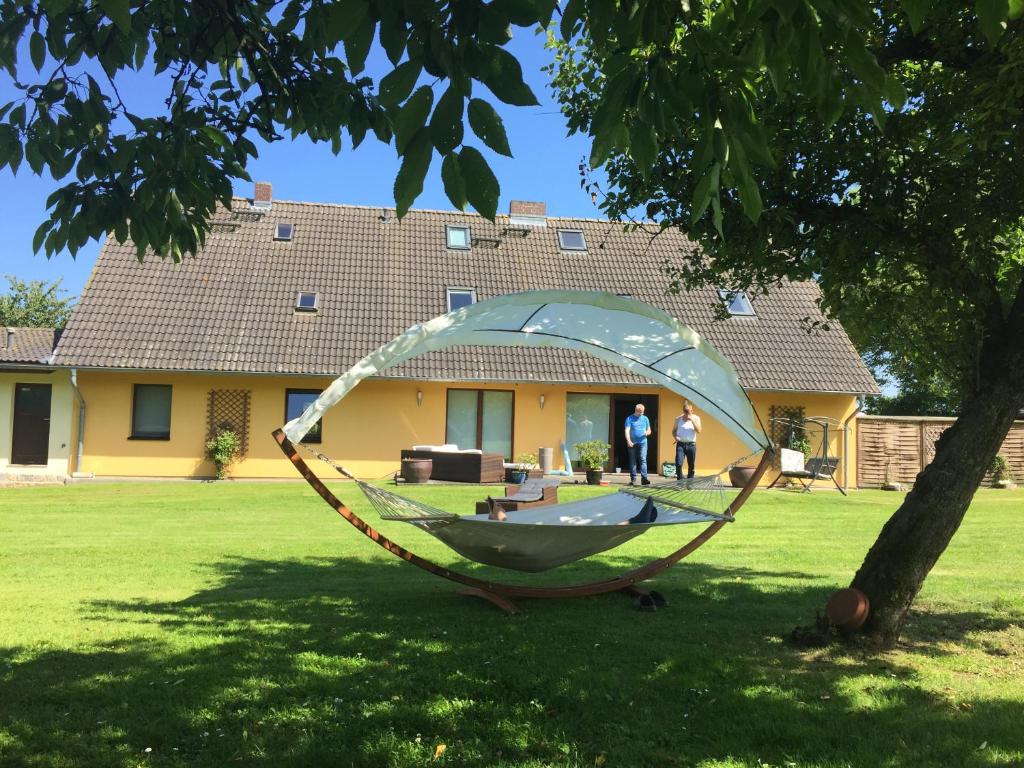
[62, 426]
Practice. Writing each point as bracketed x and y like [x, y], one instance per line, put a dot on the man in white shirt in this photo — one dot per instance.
[687, 428]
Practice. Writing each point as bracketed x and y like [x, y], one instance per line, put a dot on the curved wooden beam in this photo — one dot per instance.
[514, 590]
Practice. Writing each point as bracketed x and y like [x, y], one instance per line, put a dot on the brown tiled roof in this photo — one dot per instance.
[231, 309]
[26, 345]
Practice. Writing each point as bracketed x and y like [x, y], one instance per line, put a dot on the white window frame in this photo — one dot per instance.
[454, 289]
[316, 301]
[279, 236]
[448, 237]
[564, 247]
[728, 297]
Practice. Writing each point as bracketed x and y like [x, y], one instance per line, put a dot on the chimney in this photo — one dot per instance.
[524, 213]
[262, 196]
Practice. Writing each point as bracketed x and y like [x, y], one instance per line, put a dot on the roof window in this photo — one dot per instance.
[458, 238]
[460, 297]
[572, 240]
[307, 301]
[737, 303]
[284, 231]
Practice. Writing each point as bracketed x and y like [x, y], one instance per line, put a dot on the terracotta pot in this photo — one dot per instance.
[594, 476]
[848, 609]
[417, 470]
[740, 476]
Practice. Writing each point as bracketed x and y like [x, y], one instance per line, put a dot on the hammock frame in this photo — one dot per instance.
[498, 593]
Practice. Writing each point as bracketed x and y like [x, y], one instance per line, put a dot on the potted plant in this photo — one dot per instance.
[1000, 469]
[223, 450]
[593, 456]
[524, 463]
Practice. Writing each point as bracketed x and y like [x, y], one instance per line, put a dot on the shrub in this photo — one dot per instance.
[1000, 468]
[593, 453]
[527, 461]
[223, 450]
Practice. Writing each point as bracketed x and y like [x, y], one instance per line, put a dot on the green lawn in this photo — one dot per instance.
[246, 624]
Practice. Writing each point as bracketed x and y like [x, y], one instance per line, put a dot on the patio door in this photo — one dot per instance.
[482, 419]
[31, 434]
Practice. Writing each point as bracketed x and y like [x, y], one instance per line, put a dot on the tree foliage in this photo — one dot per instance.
[34, 304]
[236, 71]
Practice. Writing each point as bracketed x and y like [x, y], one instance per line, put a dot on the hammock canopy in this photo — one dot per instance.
[620, 330]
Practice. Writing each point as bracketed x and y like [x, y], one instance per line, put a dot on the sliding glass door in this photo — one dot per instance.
[480, 418]
[586, 418]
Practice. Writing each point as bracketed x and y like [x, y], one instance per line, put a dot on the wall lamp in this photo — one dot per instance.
[542, 402]
[419, 397]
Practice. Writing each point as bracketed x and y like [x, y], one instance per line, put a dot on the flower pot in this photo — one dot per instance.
[848, 609]
[740, 476]
[417, 470]
[594, 476]
[515, 476]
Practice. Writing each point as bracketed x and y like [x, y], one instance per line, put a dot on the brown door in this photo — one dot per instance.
[31, 424]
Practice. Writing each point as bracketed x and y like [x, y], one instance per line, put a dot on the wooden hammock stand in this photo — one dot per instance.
[501, 594]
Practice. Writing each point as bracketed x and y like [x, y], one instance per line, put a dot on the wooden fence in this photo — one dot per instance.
[896, 448]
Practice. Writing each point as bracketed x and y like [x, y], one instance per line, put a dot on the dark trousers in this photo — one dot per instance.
[638, 458]
[689, 450]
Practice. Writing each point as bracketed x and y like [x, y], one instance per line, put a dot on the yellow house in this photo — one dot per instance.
[37, 408]
[285, 296]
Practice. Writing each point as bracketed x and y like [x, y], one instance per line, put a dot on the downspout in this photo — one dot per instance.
[81, 423]
[846, 454]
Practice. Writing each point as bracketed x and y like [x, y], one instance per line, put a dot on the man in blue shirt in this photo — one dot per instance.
[638, 427]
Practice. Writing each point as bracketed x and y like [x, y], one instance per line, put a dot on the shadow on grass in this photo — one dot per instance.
[351, 662]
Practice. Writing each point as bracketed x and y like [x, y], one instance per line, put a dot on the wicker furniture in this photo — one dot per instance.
[460, 467]
[533, 493]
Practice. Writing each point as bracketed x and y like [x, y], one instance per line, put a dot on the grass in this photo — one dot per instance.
[226, 624]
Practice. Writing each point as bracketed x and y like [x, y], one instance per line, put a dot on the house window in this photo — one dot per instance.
[307, 301]
[458, 238]
[284, 231]
[480, 418]
[586, 418]
[737, 303]
[295, 402]
[460, 297]
[151, 412]
[572, 240]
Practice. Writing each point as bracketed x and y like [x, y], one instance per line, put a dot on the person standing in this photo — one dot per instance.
[687, 428]
[638, 428]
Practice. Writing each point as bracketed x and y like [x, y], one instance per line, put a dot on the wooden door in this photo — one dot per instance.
[31, 438]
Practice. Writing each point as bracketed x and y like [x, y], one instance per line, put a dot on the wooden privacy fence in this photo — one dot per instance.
[896, 448]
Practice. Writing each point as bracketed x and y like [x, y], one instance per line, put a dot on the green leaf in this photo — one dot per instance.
[486, 123]
[482, 189]
[398, 84]
[37, 50]
[916, 11]
[992, 15]
[750, 196]
[494, 26]
[40, 236]
[504, 77]
[357, 44]
[119, 13]
[706, 188]
[412, 116]
[415, 164]
[643, 146]
[446, 123]
[1016, 9]
[216, 136]
[454, 185]
[571, 13]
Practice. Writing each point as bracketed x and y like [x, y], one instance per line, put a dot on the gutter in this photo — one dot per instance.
[846, 454]
[80, 448]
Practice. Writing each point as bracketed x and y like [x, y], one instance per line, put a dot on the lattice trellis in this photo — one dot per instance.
[932, 433]
[780, 421]
[229, 409]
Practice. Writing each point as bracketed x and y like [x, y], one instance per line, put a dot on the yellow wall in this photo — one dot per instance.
[368, 429]
[63, 416]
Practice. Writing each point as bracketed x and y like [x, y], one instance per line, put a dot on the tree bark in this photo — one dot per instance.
[921, 529]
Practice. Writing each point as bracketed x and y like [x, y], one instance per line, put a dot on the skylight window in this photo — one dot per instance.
[460, 297]
[284, 231]
[307, 301]
[737, 303]
[458, 238]
[572, 240]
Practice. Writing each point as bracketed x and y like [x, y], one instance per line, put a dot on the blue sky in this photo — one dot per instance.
[545, 168]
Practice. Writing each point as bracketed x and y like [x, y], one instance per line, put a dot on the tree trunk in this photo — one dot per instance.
[920, 530]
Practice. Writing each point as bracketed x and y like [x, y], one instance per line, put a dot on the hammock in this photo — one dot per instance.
[546, 537]
[636, 336]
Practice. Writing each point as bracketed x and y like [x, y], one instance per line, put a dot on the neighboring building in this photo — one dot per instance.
[285, 296]
[37, 408]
